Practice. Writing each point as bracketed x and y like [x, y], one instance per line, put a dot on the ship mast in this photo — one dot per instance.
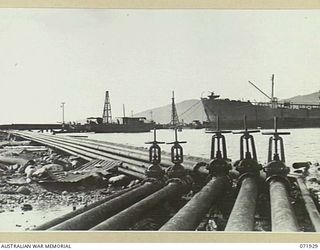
[174, 115]
[272, 99]
[106, 116]
[260, 90]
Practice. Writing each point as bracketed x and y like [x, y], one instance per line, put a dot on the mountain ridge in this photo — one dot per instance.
[312, 98]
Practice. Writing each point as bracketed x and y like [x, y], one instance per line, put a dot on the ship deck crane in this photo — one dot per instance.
[272, 98]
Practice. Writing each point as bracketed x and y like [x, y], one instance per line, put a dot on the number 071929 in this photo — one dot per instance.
[309, 246]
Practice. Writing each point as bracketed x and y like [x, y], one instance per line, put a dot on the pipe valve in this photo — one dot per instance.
[154, 171]
[248, 162]
[219, 163]
[177, 170]
[276, 160]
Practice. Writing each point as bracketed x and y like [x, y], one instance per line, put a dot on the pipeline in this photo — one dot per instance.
[84, 154]
[131, 215]
[67, 216]
[189, 217]
[100, 147]
[98, 151]
[118, 151]
[242, 215]
[309, 204]
[243, 212]
[89, 219]
[123, 211]
[136, 165]
[282, 215]
[68, 150]
[128, 152]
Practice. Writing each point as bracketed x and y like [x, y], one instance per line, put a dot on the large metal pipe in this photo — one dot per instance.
[69, 150]
[74, 213]
[135, 165]
[86, 155]
[117, 149]
[97, 150]
[127, 151]
[104, 211]
[129, 216]
[190, 216]
[120, 151]
[282, 215]
[310, 206]
[243, 211]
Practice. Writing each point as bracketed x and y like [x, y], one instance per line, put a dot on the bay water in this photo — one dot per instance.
[301, 145]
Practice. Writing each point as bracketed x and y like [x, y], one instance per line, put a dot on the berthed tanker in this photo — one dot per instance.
[260, 114]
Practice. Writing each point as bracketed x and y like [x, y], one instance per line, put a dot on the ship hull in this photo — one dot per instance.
[231, 114]
[118, 128]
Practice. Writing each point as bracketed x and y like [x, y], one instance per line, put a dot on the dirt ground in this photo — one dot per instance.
[29, 195]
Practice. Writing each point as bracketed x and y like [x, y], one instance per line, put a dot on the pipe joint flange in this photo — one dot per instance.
[276, 168]
[175, 180]
[186, 180]
[176, 171]
[227, 178]
[280, 178]
[199, 165]
[219, 167]
[154, 171]
[152, 180]
[248, 166]
[247, 174]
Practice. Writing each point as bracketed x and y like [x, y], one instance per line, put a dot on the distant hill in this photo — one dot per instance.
[187, 110]
[312, 98]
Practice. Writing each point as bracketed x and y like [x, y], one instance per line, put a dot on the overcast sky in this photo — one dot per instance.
[48, 56]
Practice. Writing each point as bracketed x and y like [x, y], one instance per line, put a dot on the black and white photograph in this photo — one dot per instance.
[194, 120]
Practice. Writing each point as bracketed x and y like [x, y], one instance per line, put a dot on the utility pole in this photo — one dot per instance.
[62, 106]
[272, 88]
[124, 110]
[151, 115]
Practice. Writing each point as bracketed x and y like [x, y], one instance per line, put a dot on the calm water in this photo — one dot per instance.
[301, 145]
